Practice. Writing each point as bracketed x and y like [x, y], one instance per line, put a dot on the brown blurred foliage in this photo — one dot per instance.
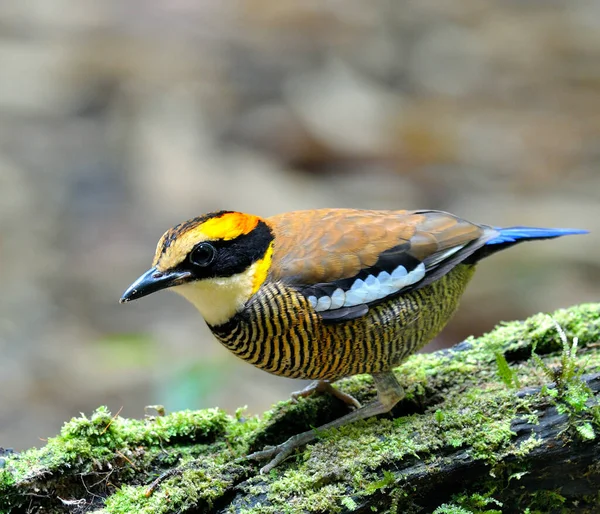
[121, 118]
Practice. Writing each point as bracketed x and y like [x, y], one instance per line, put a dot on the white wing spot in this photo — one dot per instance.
[358, 284]
[417, 274]
[371, 281]
[323, 304]
[337, 299]
[399, 272]
[371, 289]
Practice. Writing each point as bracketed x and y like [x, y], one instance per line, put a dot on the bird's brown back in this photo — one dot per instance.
[325, 245]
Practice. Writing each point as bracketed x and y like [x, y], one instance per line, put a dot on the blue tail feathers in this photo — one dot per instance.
[515, 234]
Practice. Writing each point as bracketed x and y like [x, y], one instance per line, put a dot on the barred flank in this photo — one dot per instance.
[280, 333]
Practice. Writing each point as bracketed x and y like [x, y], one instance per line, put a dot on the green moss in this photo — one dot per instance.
[460, 399]
[448, 508]
[571, 394]
[387, 480]
[546, 501]
[92, 445]
[349, 503]
[102, 436]
[199, 486]
[506, 374]
[479, 421]
[475, 503]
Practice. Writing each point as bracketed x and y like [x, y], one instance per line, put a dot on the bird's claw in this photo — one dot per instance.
[309, 390]
[324, 386]
[348, 399]
[276, 453]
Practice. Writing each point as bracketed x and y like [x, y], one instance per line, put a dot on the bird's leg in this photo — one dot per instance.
[389, 393]
[324, 386]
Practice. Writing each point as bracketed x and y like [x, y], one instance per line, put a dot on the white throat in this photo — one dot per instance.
[219, 299]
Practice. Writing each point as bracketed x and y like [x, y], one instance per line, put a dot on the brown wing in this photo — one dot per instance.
[344, 260]
[331, 244]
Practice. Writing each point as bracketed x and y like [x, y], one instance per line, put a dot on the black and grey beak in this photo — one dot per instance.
[152, 281]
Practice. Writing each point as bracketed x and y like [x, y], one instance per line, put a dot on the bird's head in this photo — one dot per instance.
[216, 261]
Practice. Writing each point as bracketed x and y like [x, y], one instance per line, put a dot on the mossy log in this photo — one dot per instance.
[508, 422]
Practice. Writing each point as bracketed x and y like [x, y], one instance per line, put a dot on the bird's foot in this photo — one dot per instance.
[279, 453]
[389, 393]
[324, 386]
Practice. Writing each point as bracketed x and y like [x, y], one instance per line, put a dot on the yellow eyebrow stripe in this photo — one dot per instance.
[229, 226]
[224, 228]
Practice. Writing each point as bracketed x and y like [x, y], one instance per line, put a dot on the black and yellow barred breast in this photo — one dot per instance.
[279, 332]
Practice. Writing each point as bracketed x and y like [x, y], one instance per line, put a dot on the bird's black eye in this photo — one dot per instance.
[203, 255]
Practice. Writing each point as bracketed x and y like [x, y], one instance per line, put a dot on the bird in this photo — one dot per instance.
[326, 293]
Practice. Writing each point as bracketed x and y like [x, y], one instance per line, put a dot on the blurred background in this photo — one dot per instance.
[120, 118]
